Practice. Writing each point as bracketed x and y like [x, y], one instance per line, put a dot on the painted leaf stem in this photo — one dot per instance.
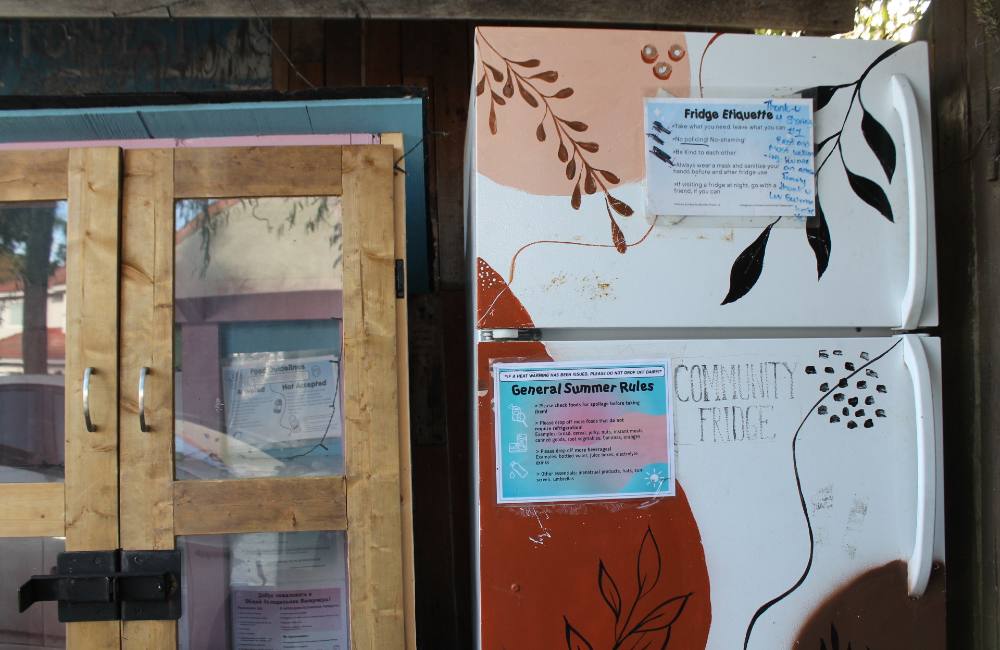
[656, 621]
[747, 267]
[573, 151]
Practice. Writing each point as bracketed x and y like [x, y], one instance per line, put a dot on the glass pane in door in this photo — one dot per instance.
[265, 591]
[257, 316]
[39, 626]
[32, 340]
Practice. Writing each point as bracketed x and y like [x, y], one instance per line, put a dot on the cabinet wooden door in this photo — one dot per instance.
[59, 241]
[203, 349]
[260, 393]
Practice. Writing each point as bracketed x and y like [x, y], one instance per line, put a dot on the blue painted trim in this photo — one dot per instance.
[328, 116]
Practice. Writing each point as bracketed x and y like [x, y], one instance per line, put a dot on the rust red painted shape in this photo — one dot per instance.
[541, 566]
[496, 304]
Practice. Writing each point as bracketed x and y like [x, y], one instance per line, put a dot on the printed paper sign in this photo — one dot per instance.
[288, 619]
[573, 432]
[272, 401]
[730, 157]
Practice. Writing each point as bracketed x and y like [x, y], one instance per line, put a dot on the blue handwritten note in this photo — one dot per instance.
[729, 157]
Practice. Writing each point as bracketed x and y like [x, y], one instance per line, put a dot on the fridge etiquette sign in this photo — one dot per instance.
[726, 157]
[575, 432]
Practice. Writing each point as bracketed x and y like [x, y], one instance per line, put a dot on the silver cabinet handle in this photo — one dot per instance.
[145, 428]
[91, 427]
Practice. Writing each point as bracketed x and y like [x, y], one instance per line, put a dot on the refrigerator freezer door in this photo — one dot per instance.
[561, 232]
[808, 504]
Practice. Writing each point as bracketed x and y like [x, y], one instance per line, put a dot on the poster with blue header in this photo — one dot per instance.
[730, 157]
[583, 431]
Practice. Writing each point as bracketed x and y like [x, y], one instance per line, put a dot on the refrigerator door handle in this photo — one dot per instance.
[918, 569]
[905, 103]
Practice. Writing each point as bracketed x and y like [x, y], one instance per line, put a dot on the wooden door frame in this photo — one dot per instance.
[84, 507]
[372, 500]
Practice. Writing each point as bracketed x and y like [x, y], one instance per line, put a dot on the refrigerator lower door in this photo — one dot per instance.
[807, 510]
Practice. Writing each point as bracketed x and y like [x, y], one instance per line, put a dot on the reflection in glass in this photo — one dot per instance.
[39, 627]
[267, 591]
[257, 316]
[32, 340]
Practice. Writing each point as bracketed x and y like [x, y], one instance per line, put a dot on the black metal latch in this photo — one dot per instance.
[110, 586]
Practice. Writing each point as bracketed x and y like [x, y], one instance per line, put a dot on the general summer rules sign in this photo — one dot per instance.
[582, 431]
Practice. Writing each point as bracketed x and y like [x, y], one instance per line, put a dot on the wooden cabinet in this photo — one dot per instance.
[240, 312]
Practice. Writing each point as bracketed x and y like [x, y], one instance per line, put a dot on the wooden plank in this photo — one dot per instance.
[306, 52]
[92, 340]
[146, 467]
[371, 427]
[453, 59]
[342, 39]
[827, 16]
[234, 172]
[280, 32]
[260, 505]
[381, 53]
[33, 175]
[403, 392]
[32, 510]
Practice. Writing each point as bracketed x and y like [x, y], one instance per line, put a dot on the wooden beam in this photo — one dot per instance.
[32, 510]
[237, 172]
[371, 424]
[260, 505]
[92, 341]
[33, 175]
[814, 15]
[147, 289]
[403, 389]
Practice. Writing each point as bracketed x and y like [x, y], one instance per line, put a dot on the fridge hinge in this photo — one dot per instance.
[513, 334]
[110, 586]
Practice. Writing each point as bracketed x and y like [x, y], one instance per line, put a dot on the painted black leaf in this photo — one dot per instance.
[663, 615]
[575, 198]
[747, 267]
[575, 640]
[540, 132]
[834, 637]
[818, 235]
[880, 142]
[823, 95]
[481, 86]
[609, 590]
[528, 63]
[647, 563]
[869, 192]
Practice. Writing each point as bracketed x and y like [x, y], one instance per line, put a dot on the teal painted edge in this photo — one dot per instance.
[327, 116]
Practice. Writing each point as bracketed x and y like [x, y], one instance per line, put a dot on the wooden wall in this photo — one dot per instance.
[965, 76]
[435, 56]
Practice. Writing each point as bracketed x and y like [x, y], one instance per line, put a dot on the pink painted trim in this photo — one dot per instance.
[176, 143]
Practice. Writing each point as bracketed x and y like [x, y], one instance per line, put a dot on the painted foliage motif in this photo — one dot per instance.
[560, 125]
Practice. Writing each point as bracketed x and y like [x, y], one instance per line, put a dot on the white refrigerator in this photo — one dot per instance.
[708, 400]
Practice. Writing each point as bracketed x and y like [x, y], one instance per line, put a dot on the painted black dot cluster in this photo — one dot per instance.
[855, 388]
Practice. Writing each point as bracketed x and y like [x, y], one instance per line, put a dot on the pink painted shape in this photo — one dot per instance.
[176, 143]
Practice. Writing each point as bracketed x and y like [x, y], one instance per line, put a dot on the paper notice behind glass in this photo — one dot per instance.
[289, 591]
[278, 408]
